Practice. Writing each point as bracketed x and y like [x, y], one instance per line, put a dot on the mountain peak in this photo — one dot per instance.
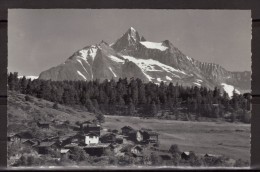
[129, 39]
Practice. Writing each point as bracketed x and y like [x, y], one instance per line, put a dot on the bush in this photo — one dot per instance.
[176, 154]
[55, 106]
[27, 98]
[174, 149]
[241, 163]
[156, 159]
[78, 154]
[100, 117]
[246, 118]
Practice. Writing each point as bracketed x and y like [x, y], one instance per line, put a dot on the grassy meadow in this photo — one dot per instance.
[221, 138]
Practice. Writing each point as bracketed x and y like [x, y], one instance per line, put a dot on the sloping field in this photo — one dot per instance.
[23, 114]
[229, 139]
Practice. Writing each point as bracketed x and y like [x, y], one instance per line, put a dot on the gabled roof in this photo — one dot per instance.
[13, 134]
[100, 145]
[46, 144]
[127, 127]
[108, 134]
[152, 133]
[138, 147]
[30, 141]
[64, 150]
[71, 145]
[186, 153]
[91, 134]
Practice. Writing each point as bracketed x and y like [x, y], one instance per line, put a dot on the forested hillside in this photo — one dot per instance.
[135, 98]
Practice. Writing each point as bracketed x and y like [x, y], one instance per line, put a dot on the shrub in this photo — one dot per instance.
[174, 149]
[194, 160]
[176, 154]
[55, 105]
[78, 154]
[241, 163]
[27, 98]
[100, 117]
[155, 159]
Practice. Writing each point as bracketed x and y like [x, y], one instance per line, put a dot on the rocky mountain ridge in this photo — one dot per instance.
[133, 56]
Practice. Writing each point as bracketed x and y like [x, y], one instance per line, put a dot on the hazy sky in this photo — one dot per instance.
[42, 38]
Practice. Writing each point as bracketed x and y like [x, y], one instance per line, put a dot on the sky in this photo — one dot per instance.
[39, 39]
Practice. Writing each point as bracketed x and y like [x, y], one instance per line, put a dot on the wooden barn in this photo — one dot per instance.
[108, 138]
[96, 149]
[126, 130]
[144, 136]
[185, 155]
[91, 138]
[47, 147]
[14, 138]
[65, 153]
[89, 127]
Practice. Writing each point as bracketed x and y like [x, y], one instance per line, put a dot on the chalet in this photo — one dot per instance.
[15, 138]
[126, 130]
[90, 128]
[91, 138]
[65, 153]
[43, 125]
[77, 138]
[126, 148]
[29, 143]
[151, 136]
[185, 155]
[47, 147]
[119, 140]
[52, 138]
[71, 146]
[115, 131]
[96, 149]
[143, 136]
[108, 138]
[211, 155]
[65, 140]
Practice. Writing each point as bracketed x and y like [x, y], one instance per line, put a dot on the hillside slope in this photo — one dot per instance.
[23, 115]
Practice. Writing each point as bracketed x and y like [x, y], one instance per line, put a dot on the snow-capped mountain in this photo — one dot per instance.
[133, 56]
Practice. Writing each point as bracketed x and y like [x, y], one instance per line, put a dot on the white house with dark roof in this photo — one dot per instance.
[91, 138]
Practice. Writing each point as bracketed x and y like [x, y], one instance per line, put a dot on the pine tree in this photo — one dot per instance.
[23, 85]
[131, 108]
[11, 81]
[153, 109]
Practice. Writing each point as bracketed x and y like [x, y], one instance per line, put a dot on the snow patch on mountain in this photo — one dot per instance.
[229, 89]
[154, 45]
[159, 79]
[82, 65]
[92, 52]
[112, 72]
[188, 58]
[82, 75]
[116, 59]
[168, 78]
[197, 84]
[199, 80]
[150, 64]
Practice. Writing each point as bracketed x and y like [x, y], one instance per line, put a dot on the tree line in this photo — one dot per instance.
[132, 97]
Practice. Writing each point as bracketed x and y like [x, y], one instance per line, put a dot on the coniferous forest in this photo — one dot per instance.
[132, 97]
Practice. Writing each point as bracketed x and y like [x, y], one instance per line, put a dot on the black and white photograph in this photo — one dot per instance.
[129, 88]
